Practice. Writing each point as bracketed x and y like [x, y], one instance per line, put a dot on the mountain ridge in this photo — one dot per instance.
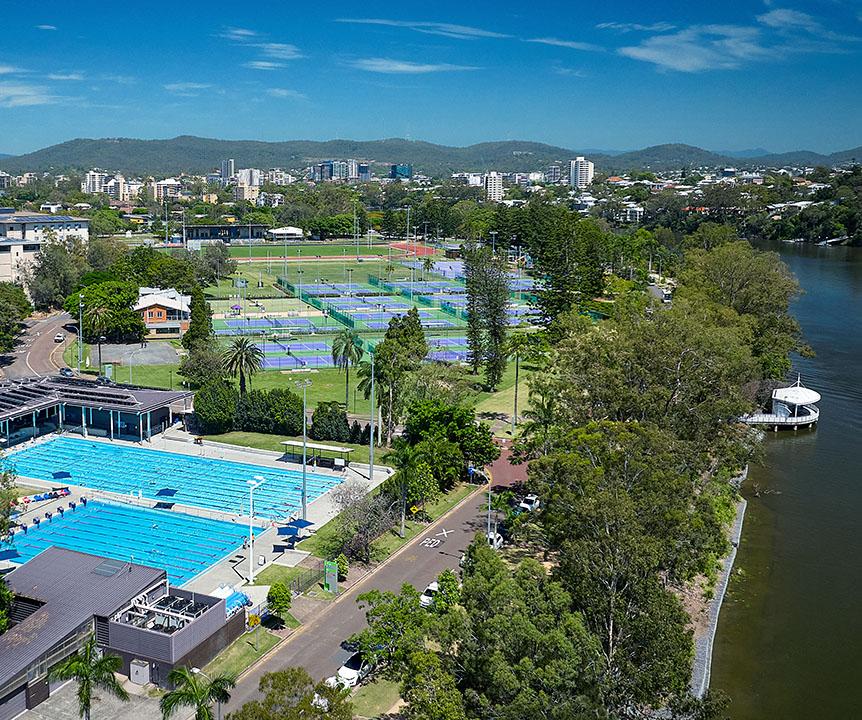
[191, 154]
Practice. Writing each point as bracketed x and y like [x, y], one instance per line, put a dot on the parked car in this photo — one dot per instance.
[530, 503]
[59, 337]
[495, 540]
[103, 380]
[353, 672]
[426, 599]
[66, 372]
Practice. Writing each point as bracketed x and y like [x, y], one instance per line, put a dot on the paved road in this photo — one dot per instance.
[36, 352]
[317, 645]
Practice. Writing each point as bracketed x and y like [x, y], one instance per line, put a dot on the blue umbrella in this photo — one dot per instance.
[289, 530]
[300, 523]
[61, 474]
[166, 492]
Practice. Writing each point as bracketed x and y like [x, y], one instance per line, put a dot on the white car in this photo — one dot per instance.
[353, 672]
[495, 540]
[59, 337]
[530, 503]
[426, 599]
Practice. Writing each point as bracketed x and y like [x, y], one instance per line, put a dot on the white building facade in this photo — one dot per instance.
[581, 172]
[22, 236]
[493, 187]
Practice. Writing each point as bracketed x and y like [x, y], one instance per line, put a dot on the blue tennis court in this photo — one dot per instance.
[293, 362]
[293, 346]
[202, 482]
[183, 545]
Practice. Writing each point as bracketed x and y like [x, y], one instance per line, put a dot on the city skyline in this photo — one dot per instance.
[609, 78]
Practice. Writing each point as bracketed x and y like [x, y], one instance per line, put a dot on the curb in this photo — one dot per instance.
[339, 598]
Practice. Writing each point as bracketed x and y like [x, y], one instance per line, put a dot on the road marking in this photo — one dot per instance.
[445, 533]
[431, 542]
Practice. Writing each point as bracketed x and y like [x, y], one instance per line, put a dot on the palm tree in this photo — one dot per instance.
[194, 689]
[98, 320]
[91, 670]
[428, 265]
[518, 344]
[242, 358]
[405, 458]
[346, 351]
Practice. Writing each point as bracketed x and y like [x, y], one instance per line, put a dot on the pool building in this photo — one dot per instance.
[61, 597]
[32, 407]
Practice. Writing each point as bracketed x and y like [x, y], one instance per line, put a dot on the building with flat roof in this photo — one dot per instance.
[63, 597]
[22, 235]
[226, 231]
[36, 406]
[493, 187]
[581, 172]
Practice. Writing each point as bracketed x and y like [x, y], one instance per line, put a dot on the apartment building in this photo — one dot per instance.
[581, 172]
[23, 234]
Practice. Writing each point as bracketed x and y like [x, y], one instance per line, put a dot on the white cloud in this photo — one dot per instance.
[238, 34]
[46, 27]
[14, 94]
[568, 72]
[782, 18]
[186, 89]
[385, 65]
[571, 44]
[699, 48]
[263, 65]
[120, 79]
[459, 32]
[285, 93]
[281, 51]
[9, 70]
[636, 27]
[66, 76]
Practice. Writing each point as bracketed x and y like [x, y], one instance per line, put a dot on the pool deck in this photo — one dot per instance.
[233, 568]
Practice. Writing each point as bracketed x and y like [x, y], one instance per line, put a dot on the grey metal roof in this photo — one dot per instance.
[73, 586]
[19, 397]
[15, 219]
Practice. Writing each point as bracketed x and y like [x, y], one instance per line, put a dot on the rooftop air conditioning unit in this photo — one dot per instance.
[139, 672]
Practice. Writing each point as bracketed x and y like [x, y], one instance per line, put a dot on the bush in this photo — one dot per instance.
[356, 433]
[253, 412]
[278, 599]
[285, 408]
[343, 566]
[202, 365]
[329, 422]
[215, 406]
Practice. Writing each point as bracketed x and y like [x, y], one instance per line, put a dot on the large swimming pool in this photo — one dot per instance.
[183, 545]
[198, 481]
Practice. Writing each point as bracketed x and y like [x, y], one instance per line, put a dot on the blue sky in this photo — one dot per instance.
[623, 75]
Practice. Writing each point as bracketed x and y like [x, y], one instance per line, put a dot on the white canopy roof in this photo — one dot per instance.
[796, 395]
[287, 231]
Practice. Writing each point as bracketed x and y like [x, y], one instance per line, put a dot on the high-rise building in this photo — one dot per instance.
[323, 172]
[167, 188]
[94, 182]
[553, 174]
[363, 172]
[352, 170]
[493, 187]
[581, 172]
[228, 170]
[401, 171]
[339, 170]
[250, 177]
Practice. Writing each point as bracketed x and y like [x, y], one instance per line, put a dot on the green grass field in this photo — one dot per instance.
[242, 652]
[325, 249]
[375, 698]
[273, 442]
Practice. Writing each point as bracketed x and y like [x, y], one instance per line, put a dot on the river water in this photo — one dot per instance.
[789, 642]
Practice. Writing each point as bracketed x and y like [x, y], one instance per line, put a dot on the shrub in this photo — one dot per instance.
[356, 433]
[343, 566]
[285, 408]
[278, 599]
[215, 406]
[329, 422]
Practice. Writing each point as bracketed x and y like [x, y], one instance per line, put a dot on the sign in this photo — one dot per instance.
[330, 581]
[240, 282]
[109, 370]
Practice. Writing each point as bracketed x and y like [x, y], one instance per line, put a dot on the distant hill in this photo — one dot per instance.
[5, 155]
[198, 155]
[744, 154]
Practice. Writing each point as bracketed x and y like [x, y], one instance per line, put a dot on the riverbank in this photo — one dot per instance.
[704, 642]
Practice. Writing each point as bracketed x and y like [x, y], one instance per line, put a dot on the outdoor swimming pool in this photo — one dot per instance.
[183, 545]
[168, 477]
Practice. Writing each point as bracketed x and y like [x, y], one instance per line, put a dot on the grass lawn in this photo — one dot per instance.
[324, 543]
[375, 698]
[273, 442]
[241, 653]
[21, 490]
[277, 573]
[324, 249]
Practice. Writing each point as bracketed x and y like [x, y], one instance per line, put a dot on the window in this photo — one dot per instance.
[32, 248]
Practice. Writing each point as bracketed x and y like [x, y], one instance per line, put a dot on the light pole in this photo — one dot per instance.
[349, 281]
[198, 671]
[304, 384]
[101, 340]
[371, 439]
[80, 331]
[252, 486]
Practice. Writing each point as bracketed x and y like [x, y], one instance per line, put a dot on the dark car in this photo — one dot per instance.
[103, 380]
[66, 372]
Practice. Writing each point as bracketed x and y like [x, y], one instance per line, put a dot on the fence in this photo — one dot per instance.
[306, 578]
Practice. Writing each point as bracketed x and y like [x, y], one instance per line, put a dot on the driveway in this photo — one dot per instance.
[36, 353]
[158, 352]
[317, 646]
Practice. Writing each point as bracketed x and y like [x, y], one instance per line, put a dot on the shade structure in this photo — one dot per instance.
[300, 523]
[288, 530]
[796, 395]
[236, 307]
[166, 492]
[61, 474]
[163, 505]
